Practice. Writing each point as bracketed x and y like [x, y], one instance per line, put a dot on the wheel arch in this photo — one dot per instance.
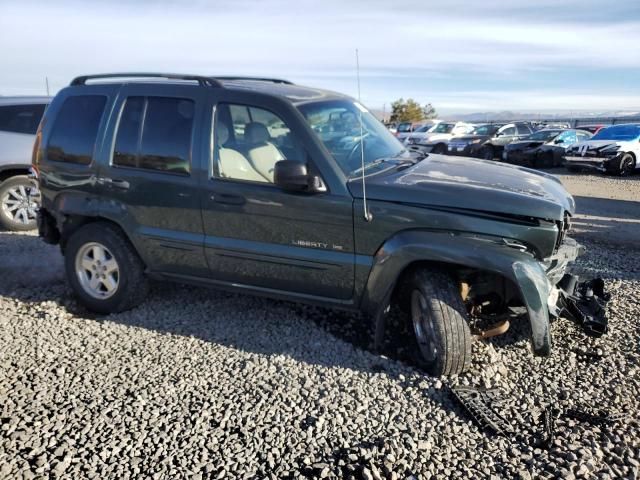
[411, 249]
[7, 173]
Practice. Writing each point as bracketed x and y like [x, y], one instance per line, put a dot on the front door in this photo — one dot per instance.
[256, 234]
[148, 172]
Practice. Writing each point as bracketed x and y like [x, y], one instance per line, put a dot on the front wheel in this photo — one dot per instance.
[623, 166]
[440, 323]
[104, 270]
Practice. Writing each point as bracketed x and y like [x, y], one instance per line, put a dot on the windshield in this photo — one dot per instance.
[337, 124]
[618, 132]
[544, 135]
[442, 128]
[485, 130]
[404, 127]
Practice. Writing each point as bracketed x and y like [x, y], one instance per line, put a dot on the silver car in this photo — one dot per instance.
[19, 120]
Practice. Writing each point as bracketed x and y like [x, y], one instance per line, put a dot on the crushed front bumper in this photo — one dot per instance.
[582, 302]
[592, 163]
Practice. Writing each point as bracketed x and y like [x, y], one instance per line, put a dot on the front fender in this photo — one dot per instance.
[471, 251]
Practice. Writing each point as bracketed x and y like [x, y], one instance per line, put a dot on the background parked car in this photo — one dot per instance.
[436, 138]
[470, 145]
[543, 149]
[593, 129]
[506, 134]
[19, 119]
[405, 131]
[614, 150]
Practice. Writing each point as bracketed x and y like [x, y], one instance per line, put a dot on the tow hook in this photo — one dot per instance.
[584, 303]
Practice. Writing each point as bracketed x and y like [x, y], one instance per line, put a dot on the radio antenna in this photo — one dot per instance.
[367, 215]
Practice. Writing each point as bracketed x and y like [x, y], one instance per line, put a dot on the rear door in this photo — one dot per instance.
[148, 172]
[258, 235]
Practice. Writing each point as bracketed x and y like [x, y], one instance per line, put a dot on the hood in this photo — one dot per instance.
[521, 145]
[435, 137]
[598, 145]
[470, 184]
[469, 138]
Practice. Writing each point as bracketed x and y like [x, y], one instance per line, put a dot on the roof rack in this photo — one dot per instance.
[202, 80]
[256, 79]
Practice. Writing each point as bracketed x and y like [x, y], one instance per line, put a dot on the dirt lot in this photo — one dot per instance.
[200, 384]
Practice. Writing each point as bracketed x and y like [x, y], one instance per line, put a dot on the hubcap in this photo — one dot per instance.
[19, 205]
[423, 327]
[97, 270]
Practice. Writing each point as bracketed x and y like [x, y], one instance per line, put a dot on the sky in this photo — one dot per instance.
[461, 56]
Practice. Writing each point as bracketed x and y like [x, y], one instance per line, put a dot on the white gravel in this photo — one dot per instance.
[200, 384]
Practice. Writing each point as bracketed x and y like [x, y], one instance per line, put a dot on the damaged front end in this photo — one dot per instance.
[582, 302]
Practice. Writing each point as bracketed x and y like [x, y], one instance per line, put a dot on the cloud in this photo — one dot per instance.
[408, 44]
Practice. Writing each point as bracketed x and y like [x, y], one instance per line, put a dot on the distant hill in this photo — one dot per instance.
[509, 115]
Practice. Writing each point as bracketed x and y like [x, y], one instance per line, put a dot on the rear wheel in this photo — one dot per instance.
[19, 198]
[440, 323]
[104, 270]
[622, 166]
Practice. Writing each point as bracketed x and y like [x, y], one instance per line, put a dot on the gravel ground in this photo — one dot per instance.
[201, 384]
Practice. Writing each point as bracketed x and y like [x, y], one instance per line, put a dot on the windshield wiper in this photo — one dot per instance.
[377, 161]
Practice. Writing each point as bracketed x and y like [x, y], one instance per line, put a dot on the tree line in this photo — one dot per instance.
[411, 111]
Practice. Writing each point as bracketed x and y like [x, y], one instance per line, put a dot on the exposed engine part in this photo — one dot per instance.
[481, 405]
[495, 330]
[584, 303]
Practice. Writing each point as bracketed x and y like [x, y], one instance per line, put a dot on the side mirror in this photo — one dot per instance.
[560, 140]
[293, 176]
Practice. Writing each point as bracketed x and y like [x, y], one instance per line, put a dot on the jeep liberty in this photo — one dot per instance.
[266, 187]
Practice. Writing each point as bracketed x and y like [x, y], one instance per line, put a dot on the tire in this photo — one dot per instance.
[487, 153]
[440, 149]
[17, 210]
[100, 296]
[623, 167]
[440, 323]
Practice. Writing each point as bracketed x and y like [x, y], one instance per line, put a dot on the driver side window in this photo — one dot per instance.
[249, 141]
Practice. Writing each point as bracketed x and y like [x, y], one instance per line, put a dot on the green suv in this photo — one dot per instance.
[270, 188]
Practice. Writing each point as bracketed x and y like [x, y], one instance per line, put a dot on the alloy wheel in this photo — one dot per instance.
[19, 205]
[97, 270]
[423, 327]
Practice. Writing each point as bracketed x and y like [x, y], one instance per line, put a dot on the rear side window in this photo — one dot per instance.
[154, 133]
[523, 129]
[21, 118]
[75, 129]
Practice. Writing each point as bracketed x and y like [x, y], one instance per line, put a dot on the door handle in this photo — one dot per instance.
[228, 199]
[117, 183]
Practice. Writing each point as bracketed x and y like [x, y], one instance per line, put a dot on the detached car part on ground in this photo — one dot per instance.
[19, 119]
[543, 149]
[614, 150]
[139, 180]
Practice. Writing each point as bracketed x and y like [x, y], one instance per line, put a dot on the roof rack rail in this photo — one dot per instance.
[257, 79]
[202, 80]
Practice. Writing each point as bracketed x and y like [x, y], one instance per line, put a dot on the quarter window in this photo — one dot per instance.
[21, 118]
[154, 133]
[75, 130]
